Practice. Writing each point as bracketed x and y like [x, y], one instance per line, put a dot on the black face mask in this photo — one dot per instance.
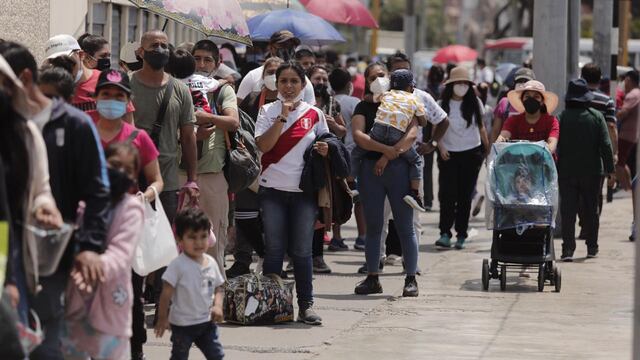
[103, 64]
[157, 58]
[120, 183]
[531, 105]
[321, 90]
[285, 54]
[135, 66]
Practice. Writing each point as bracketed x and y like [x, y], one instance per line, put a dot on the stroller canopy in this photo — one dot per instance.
[522, 183]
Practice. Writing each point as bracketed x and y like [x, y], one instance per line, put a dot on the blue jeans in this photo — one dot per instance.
[204, 335]
[393, 184]
[388, 135]
[288, 219]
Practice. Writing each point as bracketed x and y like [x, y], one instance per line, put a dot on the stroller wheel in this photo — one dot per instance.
[485, 274]
[503, 277]
[557, 278]
[541, 277]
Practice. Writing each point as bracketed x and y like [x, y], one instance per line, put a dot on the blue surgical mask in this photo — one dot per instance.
[111, 109]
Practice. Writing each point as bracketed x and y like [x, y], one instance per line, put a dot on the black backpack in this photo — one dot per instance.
[242, 165]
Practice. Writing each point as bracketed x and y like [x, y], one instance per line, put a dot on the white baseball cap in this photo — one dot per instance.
[128, 52]
[60, 45]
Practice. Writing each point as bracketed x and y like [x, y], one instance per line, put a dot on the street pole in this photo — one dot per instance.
[602, 24]
[613, 69]
[550, 19]
[409, 28]
[625, 13]
[375, 11]
[574, 40]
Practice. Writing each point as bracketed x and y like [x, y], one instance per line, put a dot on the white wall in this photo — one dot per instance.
[67, 17]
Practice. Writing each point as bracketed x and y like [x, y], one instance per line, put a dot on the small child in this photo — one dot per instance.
[98, 316]
[397, 110]
[183, 67]
[192, 284]
[522, 184]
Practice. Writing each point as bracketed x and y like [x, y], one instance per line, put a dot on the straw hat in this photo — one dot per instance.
[459, 73]
[515, 96]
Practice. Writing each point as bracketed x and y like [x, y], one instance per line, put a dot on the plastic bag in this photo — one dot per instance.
[157, 247]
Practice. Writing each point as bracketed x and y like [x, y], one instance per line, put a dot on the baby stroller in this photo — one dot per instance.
[522, 201]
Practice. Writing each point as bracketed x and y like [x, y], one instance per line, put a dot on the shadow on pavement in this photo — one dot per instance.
[515, 284]
[353, 297]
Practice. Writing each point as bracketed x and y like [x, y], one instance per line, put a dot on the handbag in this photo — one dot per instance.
[211, 241]
[256, 299]
[157, 247]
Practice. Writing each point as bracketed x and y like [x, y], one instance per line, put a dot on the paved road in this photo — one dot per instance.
[591, 318]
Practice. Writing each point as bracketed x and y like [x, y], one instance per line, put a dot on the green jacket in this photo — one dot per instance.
[584, 147]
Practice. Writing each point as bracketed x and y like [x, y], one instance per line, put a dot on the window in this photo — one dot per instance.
[133, 24]
[99, 19]
[115, 34]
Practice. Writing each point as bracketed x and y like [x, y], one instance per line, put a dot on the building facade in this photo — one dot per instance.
[33, 22]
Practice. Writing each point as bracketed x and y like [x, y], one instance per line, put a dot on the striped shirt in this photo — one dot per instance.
[603, 103]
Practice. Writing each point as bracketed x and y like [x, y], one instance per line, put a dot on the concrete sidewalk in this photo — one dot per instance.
[591, 318]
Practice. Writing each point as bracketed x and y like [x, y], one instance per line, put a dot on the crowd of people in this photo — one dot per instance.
[80, 138]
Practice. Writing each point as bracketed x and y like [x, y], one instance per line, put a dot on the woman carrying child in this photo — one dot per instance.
[382, 175]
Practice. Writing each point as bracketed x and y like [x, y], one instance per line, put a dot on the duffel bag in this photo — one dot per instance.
[255, 299]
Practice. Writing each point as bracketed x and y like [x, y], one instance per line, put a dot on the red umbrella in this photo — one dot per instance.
[455, 54]
[351, 12]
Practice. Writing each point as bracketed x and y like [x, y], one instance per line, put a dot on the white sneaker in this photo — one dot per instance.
[259, 266]
[392, 259]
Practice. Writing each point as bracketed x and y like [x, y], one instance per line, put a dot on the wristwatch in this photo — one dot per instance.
[281, 118]
[434, 143]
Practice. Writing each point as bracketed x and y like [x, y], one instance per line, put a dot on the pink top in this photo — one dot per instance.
[629, 123]
[142, 142]
[108, 310]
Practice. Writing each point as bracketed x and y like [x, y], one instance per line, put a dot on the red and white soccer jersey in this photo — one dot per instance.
[282, 166]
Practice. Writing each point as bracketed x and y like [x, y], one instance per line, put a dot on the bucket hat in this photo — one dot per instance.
[515, 96]
[282, 36]
[524, 74]
[459, 73]
[578, 91]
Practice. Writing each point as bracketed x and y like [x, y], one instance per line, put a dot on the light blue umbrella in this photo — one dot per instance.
[310, 29]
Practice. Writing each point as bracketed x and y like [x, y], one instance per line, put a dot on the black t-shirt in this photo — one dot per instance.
[368, 110]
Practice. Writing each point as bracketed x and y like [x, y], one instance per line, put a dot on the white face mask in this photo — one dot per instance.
[460, 89]
[270, 82]
[380, 85]
[298, 98]
[353, 71]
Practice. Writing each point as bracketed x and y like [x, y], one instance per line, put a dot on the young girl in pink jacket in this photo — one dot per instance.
[98, 316]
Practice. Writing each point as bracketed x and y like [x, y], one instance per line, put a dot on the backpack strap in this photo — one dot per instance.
[132, 136]
[157, 126]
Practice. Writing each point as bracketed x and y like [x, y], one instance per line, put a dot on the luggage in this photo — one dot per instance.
[253, 299]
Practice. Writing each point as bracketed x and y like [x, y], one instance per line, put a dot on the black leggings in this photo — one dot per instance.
[457, 180]
[318, 242]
